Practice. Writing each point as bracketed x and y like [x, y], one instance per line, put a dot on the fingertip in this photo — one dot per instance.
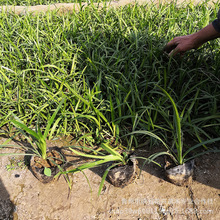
[170, 54]
[174, 52]
[166, 49]
[169, 47]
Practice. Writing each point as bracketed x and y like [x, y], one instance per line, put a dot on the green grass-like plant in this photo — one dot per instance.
[177, 153]
[35, 2]
[106, 63]
[108, 154]
[36, 138]
[100, 158]
[181, 157]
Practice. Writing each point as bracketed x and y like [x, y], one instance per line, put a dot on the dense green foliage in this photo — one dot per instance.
[106, 63]
[42, 2]
[34, 2]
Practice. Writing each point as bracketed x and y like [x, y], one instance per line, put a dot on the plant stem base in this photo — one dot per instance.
[123, 175]
[38, 164]
[180, 175]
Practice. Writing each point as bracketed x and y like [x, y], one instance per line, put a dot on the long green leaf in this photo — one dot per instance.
[86, 166]
[50, 122]
[107, 157]
[177, 121]
[110, 150]
[149, 134]
[104, 177]
[25, 128]
[200, 144]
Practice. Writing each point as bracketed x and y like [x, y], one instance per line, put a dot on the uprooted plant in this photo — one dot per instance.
[44, 159]
[107, 154]
[177, 151]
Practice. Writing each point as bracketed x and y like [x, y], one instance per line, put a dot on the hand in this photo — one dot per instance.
[179, 45]
[193, 41]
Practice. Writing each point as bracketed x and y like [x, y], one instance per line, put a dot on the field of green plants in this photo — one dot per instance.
[34, 2]
[106, 64]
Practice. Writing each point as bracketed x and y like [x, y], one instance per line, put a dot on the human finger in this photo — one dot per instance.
[175, 51]
[170, 46]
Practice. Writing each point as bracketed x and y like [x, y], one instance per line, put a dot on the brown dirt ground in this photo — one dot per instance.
[69, 7]
[150, 196]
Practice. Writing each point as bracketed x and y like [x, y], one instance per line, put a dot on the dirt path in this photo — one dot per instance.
[69, 7]
[149, 197]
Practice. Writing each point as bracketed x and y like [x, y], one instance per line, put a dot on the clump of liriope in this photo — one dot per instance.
[37, 2]
[36, 138]
[106, 63]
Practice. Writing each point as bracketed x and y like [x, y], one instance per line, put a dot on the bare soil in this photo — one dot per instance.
[63, 8]
[150, 196]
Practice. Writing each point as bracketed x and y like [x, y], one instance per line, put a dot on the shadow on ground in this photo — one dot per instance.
[6, 206]
[206, 170]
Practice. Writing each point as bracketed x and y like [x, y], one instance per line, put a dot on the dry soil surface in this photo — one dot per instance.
[69, 7]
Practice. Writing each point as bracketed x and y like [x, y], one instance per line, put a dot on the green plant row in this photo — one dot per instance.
[40, 2]
[107, 65]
